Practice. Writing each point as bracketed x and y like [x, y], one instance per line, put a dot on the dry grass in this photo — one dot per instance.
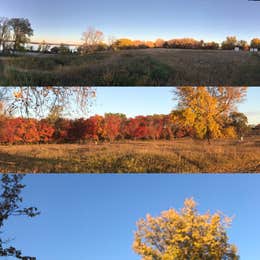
[133, 68]
[179, 156]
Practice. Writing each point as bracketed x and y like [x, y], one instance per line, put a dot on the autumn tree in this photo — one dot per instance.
[255, 43]
[205, 108]
[159, 43]
[243, 45]
[61, 130]
[211, 45]
[92, 40]
[155, 126]
[112, 126]
[179, 127]
[184, 234]
[184, 43]
[78, 130]
[10, 206]
[94, 126]
[240, 122]
[21, 31]
[230, 43]
[123, 43]
[45, 131]
[37, 101]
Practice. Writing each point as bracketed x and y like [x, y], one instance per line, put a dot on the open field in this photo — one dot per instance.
[182, 155]
[134, 68]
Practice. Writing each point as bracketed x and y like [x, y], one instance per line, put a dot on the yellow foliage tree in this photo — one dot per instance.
[255, 43]
[184, 235]
[124, 43]
[205, 108]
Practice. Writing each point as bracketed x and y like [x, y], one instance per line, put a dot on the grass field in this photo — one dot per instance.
[134, 157]
[134, 68]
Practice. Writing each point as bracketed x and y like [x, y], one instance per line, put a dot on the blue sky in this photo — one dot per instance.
[93, 216]
[64, 20]
[157, 100]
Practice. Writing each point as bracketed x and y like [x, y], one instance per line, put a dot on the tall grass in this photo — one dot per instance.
[134, 67]
[180, 156]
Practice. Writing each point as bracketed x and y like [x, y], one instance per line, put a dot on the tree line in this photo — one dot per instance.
[202, 112]
[110, 127]
[16, 32]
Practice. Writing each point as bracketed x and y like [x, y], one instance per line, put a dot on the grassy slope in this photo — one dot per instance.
[159, 156]
[134, 67]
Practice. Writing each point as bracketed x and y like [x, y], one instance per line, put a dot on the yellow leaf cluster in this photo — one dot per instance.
[205, 108]
[184, 235]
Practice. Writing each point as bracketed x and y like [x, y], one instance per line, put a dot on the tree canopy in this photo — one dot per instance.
[22, 30]
[206, 109]
[184, 234]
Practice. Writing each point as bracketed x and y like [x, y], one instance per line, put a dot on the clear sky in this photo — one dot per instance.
[65, 20]
[134, 101]
[93, 216]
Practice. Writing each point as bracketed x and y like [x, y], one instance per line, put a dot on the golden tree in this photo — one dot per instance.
[206, 108]
[184, 234]
[38, 101]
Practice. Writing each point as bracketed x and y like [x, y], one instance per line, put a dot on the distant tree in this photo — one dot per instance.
[159, 43]
[130, 127]
[45, 131]
[62, 127]
[243, 45]
[124, 43]
[94, 126]
[21, 31]
[185, 43]
[184, 234]
[255, 43]
[78, 130]
[112, 126]
[10, 205]
[5, 33]
[41, 100]
[203, 108]
[230, 43]
[93, 40]
[43, 47]
[211, 45]
[155, 126]
[149, 44]
[63, 49]
[240, 122]
[55, 50]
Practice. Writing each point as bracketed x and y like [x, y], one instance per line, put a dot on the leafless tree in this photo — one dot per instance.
[92, 39]
[39, 101]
